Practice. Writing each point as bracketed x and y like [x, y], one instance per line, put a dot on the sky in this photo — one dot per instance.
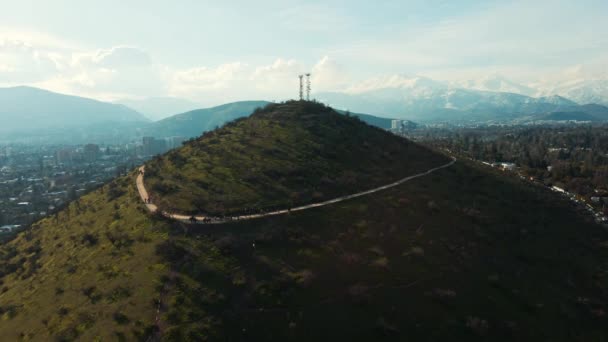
[213, 52]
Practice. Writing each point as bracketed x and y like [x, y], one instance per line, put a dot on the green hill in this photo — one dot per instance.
[465, 253]
[194, 123]
[283, 155]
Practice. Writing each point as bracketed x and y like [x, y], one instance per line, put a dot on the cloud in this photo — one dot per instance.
[329, 75]
[531, 36]
[115, 58]
[236, 81]
[206, 81]
[44, 61]
[24, 62]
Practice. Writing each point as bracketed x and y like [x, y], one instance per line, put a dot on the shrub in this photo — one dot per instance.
[121, 318]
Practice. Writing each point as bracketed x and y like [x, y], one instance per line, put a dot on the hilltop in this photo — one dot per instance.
[282, 155]
[465, 253]
[193, 123]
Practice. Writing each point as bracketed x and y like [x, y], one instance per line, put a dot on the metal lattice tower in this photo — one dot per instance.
[301, 87]
[308, 87]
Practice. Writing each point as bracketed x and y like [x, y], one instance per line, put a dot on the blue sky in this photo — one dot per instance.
[211, 51]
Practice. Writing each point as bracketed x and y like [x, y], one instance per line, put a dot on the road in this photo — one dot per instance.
[217, 220]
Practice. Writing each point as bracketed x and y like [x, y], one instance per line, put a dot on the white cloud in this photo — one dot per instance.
[201, 82]
[26, 63]
[329, 75]
[533, 50]
[44, 61]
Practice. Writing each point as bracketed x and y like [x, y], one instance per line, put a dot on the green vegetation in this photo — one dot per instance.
[571, 156]
[89, 272]
[281, 156]
[460, 255]
[464, 253]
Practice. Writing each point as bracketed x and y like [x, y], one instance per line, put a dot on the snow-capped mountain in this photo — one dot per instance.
[423, 99]
[495, 83]
[580, 90]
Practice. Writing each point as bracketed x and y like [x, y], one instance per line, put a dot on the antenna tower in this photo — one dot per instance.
[301, 87]
[308, 87]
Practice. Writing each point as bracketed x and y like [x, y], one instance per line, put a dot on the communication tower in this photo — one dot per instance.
[308, 87]
[301, 87]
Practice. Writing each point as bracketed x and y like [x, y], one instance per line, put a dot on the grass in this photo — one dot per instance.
[491, 259]
[88, 273]
[462, 254]
[282, 156]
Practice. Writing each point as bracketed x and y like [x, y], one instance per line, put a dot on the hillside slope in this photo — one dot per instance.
[283, 155]
[465, 253]
[90, 271]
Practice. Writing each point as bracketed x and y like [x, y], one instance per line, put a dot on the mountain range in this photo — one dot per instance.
[38, 116]
[426, 100]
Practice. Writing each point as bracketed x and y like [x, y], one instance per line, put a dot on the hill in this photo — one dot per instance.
[465, 253]
[28, 111]
[283, 155]
[377, 121]
[194, 123]
[568, 116]
[158, 108]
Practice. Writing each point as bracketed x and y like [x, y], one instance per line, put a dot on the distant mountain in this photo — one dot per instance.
[370, 119]
[425, 100]
[495, 83]
[28, 111]
[569, 116]
[193, 123]
[581, 91]
[157, 108]
[594, 112]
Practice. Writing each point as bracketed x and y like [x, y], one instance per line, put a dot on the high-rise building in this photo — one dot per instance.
[91, 152]
[153, 146]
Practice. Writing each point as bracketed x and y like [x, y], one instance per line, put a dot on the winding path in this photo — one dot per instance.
[143, 193]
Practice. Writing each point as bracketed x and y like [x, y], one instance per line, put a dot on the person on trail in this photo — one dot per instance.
[192, 219]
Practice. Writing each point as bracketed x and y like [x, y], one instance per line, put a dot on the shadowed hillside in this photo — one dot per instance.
[465, 253]
[283, 155]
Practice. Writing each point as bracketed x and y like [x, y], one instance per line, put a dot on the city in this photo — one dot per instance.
[36, 181]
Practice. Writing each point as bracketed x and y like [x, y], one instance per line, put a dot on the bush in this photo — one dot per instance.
[90, 239]
[121, 318]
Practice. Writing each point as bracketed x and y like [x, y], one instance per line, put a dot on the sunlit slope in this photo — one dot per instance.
[283, 155]
[89, 272]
